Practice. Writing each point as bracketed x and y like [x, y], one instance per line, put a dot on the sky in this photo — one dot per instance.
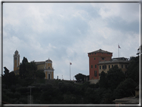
[67, 32]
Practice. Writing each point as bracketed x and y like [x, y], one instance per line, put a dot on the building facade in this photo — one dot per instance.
[94, 58]
[121, 62]
[100, 60]
[45, 66]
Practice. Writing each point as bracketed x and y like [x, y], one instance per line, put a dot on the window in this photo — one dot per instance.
[109, 66]
[104, 66]
[125, 66]
[91, 66]
[103, 58]
[100, 66]
[48, 76]
[121, 66]
[95, 73]
[95, 66]
[94, 58]
[112, 65]
[95, 53]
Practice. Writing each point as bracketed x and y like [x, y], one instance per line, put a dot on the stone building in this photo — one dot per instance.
[46, 66]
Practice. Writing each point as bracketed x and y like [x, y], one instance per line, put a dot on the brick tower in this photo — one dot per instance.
[94, 58]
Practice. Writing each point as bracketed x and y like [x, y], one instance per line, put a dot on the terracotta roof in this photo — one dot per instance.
[100, 51]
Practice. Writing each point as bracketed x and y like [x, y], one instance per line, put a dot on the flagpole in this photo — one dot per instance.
[70, 71]
[118, 50]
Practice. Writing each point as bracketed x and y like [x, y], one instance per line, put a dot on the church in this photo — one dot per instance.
[46, 66]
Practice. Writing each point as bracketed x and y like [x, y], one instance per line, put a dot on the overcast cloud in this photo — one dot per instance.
[66, 32]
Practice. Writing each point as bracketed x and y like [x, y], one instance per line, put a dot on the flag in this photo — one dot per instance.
[70, 63]
[118, 46]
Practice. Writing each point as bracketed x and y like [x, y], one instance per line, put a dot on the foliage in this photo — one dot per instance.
[8, 78]
[111, 85]
[103, 80]
[107, 97]
[114, 77]
[6, 71]
[23, 68]
[133, 69]
[27, 70]
[40, 74]
[125, 89]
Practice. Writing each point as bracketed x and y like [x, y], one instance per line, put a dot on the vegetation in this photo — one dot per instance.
[114, 84]
[80, 77]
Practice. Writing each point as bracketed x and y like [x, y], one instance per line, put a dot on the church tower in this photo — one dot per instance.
[48, 70]
[16, 57]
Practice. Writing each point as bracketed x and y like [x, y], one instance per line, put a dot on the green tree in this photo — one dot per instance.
[133, 69]
[40, 74]
[27, 69]
[115, 76]
[6, 71]
[8, 78]
[23, 68]
[125, 89]
[103, 80]
[107, 97]
[31, 68]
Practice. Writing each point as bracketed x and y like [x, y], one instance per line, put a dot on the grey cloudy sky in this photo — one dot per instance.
[66, 32]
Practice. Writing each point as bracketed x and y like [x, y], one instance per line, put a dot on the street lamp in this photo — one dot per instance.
[30, 91]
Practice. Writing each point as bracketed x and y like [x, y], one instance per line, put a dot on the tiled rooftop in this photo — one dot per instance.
[100, 51]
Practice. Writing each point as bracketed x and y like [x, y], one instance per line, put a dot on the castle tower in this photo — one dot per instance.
[48, 70]
[94, 58]
[16, 57]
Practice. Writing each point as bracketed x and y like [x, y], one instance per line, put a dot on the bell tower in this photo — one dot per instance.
[48, 70]
[16, 58]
